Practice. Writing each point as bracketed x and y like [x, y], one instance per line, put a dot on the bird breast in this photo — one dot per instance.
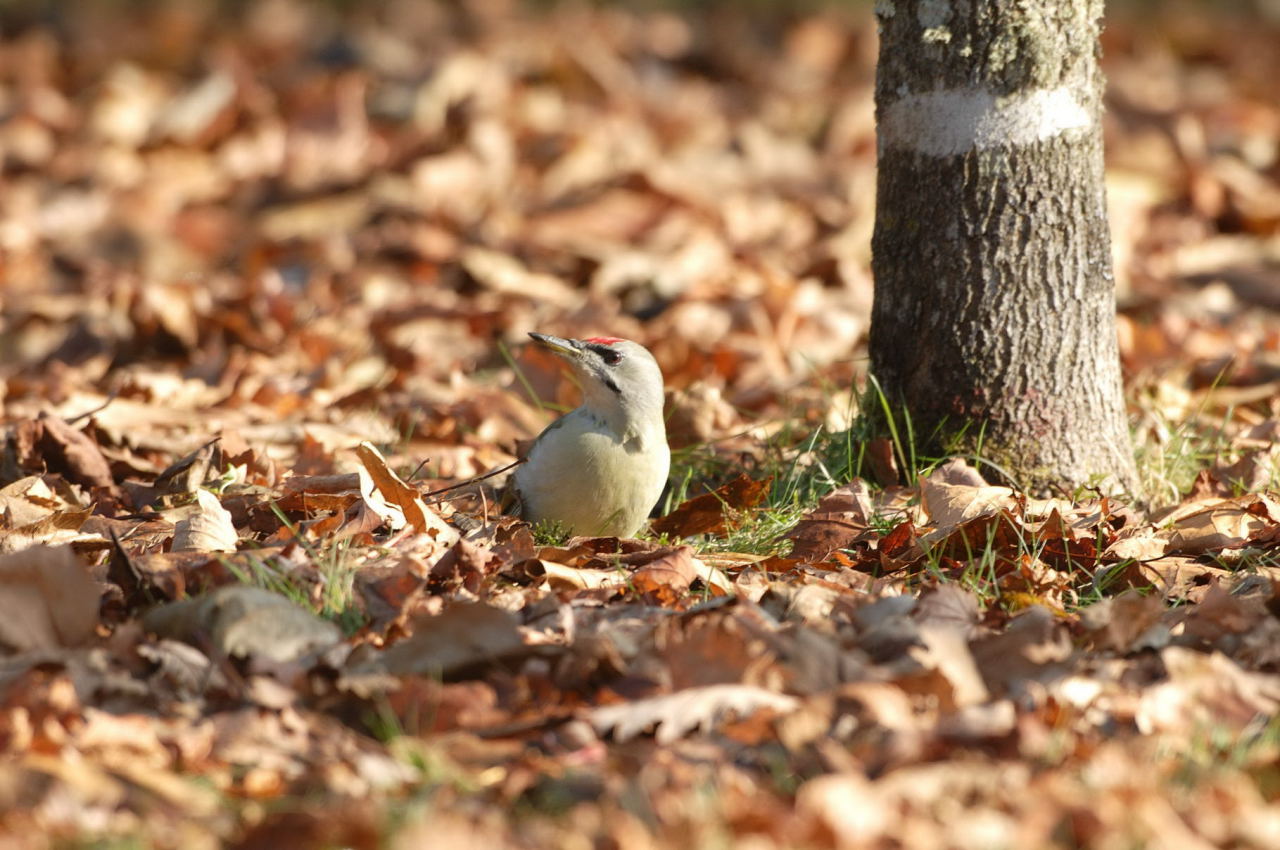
[584, 475]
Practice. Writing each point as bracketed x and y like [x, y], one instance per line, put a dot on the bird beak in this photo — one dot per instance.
[569, 348]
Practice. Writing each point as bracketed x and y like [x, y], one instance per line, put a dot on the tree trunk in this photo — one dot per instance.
[994, 316]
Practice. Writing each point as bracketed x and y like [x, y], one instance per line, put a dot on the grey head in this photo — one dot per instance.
[621, 382]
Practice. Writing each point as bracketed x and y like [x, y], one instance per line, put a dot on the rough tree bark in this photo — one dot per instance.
[994, 316]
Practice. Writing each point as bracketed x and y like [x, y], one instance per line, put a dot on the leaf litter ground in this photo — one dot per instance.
[266, 279]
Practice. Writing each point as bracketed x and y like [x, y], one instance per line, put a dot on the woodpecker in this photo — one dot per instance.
[599, 469]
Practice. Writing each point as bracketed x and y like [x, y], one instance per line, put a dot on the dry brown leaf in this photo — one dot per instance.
[464, 636]
[841, 519]
[1143, 546]
[883, 462]
[848, 805]
[1205, 691]
[465, 564]
[949, 606]
[187, 474]
[948, 505]
[245, 622]
[1221, 613]
[56, 529]
[315, 485]
[716, 647]
[713, 577]
[1035, 646]
[1115, 623]
[190, 118]
[1252, 472]
[561, 577]
[207, 527]
[73, 453]
[372, 501]
[706, 514]
[697, 414]
[173, 574]
[28, 500]
[900, 548]
[946, 650]
[506, 274]
[47, 599]
[675, 715]
[957, 472]
[422, 518]
[1176, 576]
[672, 570]
[1217, 525]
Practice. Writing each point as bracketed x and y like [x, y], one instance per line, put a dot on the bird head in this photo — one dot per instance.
[621, 382]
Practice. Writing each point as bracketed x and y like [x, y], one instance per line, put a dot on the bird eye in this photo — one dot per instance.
[611, 357]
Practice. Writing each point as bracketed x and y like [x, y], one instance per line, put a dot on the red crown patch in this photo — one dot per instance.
[603, 340]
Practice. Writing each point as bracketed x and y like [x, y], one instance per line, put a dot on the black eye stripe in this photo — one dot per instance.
[610, 355]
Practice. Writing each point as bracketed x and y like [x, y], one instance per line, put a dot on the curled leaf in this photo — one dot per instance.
[675, 715]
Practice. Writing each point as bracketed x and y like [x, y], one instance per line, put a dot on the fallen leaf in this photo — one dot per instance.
[206, 528]
[706, 514]
[246, 622]
[841, 519]
[190, 117]
[1138, 547]
[900, 548]
[713, 577]
[1205, 691]
[506, 274]
[1197, 529]
[883, 462]
[949, 606]
[949, 505]
[47, 599]
[189, 473]
[56, 529]
[561, 577]
[422, 518]
[73, 453]
[848, 805]
[465, 563]
[1176, 576]
[672, 570]
[957, 472]
[463, 636]
[1115, 623]
[1032, 648]
[1222, 613]
[946, 650]
[28, 500]
[675, 715]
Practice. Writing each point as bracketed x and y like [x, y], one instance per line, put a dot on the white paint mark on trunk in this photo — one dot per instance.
[933, 16]
[955, 121]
